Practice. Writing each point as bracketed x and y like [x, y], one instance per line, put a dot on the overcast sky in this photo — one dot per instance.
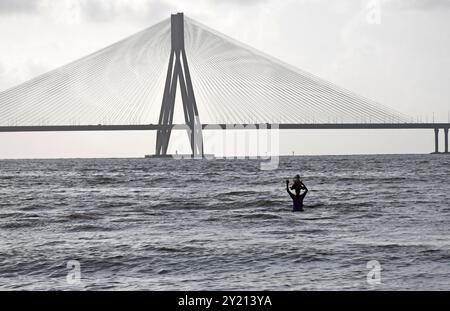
[393, 51]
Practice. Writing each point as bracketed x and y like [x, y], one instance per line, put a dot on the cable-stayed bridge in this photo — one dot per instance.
[135, 84]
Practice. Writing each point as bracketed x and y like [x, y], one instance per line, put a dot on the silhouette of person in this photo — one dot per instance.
[297, 198]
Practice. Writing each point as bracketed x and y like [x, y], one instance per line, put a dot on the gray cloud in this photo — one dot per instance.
[93, 10]
[417, 4]
[102, 11]
[141, 12]
[240, 2]
[18, 6]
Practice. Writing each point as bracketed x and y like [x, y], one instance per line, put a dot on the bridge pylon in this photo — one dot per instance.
[178, 72]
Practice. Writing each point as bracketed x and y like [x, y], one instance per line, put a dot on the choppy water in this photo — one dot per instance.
[165, 224]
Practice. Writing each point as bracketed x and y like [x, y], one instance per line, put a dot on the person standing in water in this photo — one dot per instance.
[297, 198]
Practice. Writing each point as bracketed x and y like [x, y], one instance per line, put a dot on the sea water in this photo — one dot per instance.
[370, 222]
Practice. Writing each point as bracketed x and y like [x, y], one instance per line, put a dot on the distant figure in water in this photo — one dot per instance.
[297, 198]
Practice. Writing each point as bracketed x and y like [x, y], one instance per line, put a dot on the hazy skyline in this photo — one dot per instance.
[394, 52]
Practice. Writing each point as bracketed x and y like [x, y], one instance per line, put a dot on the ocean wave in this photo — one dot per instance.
[83, 216]
[258, 216]
[238, 193]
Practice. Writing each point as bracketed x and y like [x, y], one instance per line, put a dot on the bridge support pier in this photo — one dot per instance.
[436, 140]
[446, 139]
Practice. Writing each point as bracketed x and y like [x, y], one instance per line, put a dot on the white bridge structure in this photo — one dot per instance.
[133, 85]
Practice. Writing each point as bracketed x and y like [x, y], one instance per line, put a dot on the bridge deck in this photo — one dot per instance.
[146, 127]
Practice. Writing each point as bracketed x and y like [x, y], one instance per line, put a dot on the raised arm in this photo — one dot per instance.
[305, 190]
[303, 186]
[287, 189]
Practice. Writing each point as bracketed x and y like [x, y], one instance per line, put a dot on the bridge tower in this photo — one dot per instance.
[178, 72]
